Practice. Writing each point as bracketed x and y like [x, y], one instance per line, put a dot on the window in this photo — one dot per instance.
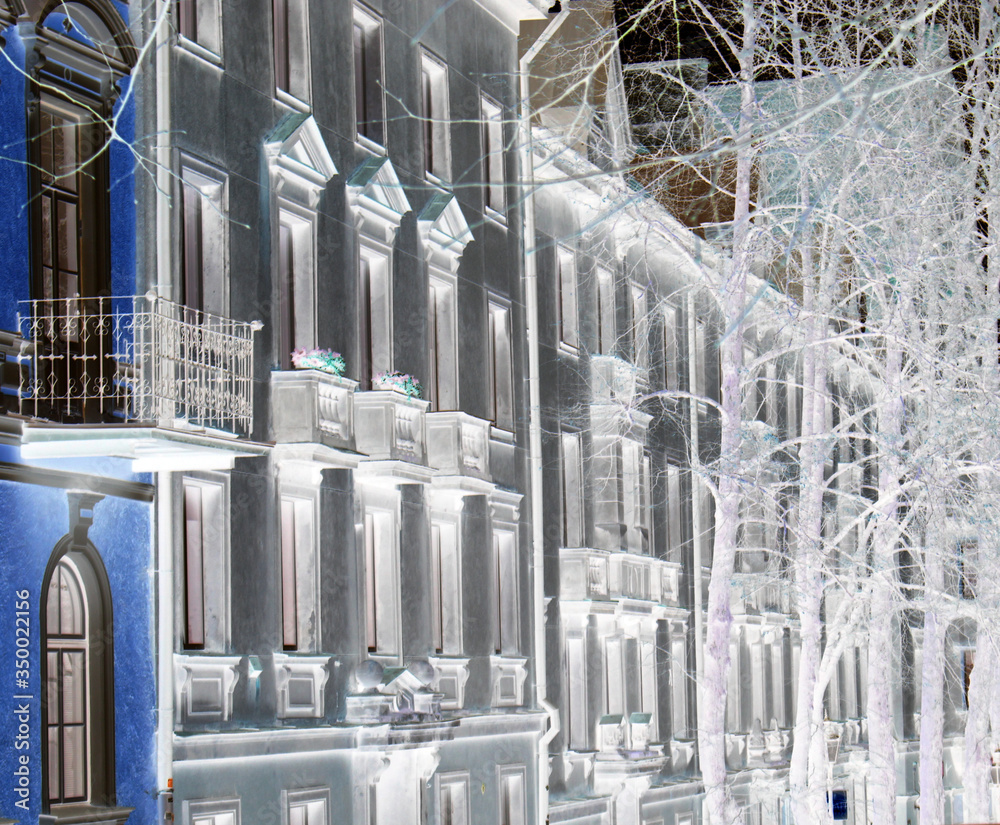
[671, 349]
[380, 577]
[675, 527]
[614, 675]
[374, 315]
[501, 374]
[453, 799]
[78, 677]
[635, 495]
[640, 325]
[204, 234]
[968, 554]
[308, 807]
[434, 109]
[212, 812]
[566, 284]
[576, 693]
[291, 49]
[512, 802]
[296, 277]
[606, 328]
[442, 344]
[446, 587]
[505, 593]
[205, 568]
[369, 99]
[698, 360]
[968, 663]
[572, 489]
[199, 23]
[299, 576]
[493, 156]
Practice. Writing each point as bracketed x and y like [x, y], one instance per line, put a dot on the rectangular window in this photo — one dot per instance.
[380, 576]
[606, 328]
[505, 593]
[299, 577]
[968, 553]
[453, 799]
[501, 374]
[635, 495]
[566, 284]
[698, 360]
[512, 801]
[678, 686]
[291, 48]
[640, 325]
[204, 236]
[614, 676]
[572, 489]
[296, 278]
[206, 606]
[369, 97]
[671, 349]
[374, 316]
[493, 155]
[434, 106]
[199, 22]
[212, 812]
[308, 807]
[576, 681]
[675, 526]
[442, 342]
[446, 588]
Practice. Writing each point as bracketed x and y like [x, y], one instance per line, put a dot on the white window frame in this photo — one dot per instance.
[566, 298]
[211, 811]
[501, 365]
[607, 328]
[302, 509]
[435, 117]
[297, 90]
[493, 146]
[204, 207]
[213, 553]
[206, 39]
[445, 783]
[442, 340]
[579, 734]
[380, 534]
[316, 801]
[675, 511]
[671, 347]
[300, 223]
[506, 593]
[572, 487]
[446, 584]
[639, 309]
[375, 310]
[371, 28]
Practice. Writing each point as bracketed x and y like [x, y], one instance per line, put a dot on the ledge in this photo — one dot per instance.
[67, 814]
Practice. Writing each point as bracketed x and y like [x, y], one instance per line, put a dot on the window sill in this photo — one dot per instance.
[436, 182]
[84, 812]
[292, 102]
[569, 349]
[496, 217]
[369, 145]
[199, 51]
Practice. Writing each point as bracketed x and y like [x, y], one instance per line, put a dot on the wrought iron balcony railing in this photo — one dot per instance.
[137, 359]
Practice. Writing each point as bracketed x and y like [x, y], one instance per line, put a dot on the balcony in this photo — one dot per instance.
[312, 407]
[390, 426]
[459, 444]
[181, 378]
[597, 575]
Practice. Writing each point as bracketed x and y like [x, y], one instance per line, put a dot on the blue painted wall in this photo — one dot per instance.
[14, 280]
[32, 521]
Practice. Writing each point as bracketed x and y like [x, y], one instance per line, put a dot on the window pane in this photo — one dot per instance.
[74, 675]
[74, 763]
[289, 608]
[194, 597]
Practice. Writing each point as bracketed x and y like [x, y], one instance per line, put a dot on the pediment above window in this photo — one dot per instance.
[301, 165]
[85, 44]
[377, 198]
[443, 230]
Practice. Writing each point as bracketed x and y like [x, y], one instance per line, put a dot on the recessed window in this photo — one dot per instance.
[606, 327]
[290, 20]
[446, 587]
[671, 348]
[204, 235]
[374, 315]
[572, 489]
[493, 155]
[311, 807]
[501, 373]
[199, 22]
[566, 284]
[212, 812]
[296, 276]
[299, 576]
[442, 343]
[513, 810]
[381, 598]
[369, 95]
[205, 581]
[639, 295]
[505, 593]
[698, 360]
[453, 799]
[434, 112]
[577, 713]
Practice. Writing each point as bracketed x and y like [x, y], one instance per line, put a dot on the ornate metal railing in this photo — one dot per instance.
[137, 359]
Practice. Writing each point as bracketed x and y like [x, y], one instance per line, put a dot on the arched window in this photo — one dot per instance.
[78, 673]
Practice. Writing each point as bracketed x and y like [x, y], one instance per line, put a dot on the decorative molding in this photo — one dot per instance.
[508, 677]
[300, 682]
[444, 232]
[300, 162]
[377, 199]
[203, 688]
